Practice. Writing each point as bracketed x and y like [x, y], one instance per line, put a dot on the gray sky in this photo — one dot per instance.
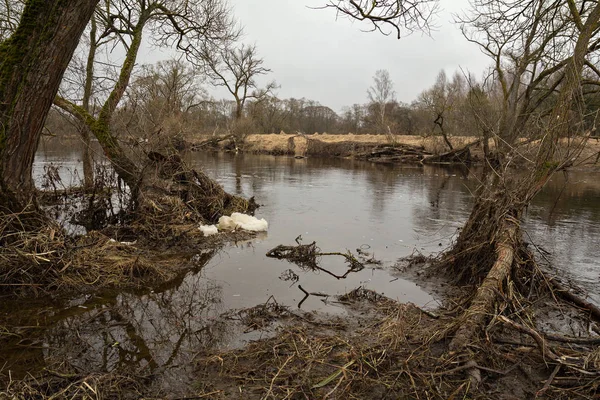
[314, 56]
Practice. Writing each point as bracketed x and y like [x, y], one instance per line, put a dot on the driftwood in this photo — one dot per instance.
[306, 256]
[212, 142]
[394, 154]
[403, 153]
[457, 156]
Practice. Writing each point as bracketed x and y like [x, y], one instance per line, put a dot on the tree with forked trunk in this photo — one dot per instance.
[187, 25]
[548, 57]
[236, 69]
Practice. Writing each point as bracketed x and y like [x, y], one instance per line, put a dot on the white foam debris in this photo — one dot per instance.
[226, 223]
[243, 221]
[209, 230]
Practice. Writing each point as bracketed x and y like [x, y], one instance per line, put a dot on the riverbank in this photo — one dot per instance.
[361, 146]
[380, 349]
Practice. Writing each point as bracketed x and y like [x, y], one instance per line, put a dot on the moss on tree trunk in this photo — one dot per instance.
[32, 63]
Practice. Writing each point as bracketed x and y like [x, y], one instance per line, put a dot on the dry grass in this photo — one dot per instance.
[432, 143]
[40, 257]
[345, 145]
[391, 351]
[67, 386]
[308, 361]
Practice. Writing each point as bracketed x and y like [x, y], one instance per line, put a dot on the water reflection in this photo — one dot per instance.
[341, 204]
[140, 333]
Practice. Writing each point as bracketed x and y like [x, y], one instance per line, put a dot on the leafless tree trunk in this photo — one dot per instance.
[88, 162]
[190, 25]
[32, 64]
[493, 226]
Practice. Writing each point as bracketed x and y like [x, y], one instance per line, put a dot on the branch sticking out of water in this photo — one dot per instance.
[306, 257]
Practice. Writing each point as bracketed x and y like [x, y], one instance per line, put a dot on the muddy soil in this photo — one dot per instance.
[380, 349]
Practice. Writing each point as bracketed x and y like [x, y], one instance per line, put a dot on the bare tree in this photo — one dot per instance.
[443, 103]
[159, 99]
[237, 69]
[10, 14]
[401, 16]
[540, 50]
[187, 25]
[380, 94]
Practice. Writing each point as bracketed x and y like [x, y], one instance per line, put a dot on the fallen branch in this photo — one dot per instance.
[305, 256]
[568, 295]
[476, 315]
[574, 363]
[212, 142]
[482, 304]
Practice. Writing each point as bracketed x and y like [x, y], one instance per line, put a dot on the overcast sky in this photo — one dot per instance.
[332, 60]
[313, 55]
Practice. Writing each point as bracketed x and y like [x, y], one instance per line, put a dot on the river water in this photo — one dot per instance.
[387, 211]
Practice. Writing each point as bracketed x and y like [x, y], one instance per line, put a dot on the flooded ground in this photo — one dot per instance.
[387, 211]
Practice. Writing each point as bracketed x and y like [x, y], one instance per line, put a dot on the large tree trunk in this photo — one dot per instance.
[32, 63]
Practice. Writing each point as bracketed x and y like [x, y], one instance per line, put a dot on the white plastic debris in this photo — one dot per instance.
[209, 230]
[242, 221]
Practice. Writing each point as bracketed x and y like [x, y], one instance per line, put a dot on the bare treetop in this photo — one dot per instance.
[236, 69]
[10, 14]
[386, 16]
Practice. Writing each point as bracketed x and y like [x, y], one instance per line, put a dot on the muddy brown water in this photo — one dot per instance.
[387, 211]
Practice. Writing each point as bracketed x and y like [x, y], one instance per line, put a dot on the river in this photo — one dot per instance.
[387, 211]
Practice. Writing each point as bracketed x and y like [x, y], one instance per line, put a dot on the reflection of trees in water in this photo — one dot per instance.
[142, 333]
[574, 196]
[573, 249]
[563, 219]
[448, 194]
[382, 182]
[156, 332]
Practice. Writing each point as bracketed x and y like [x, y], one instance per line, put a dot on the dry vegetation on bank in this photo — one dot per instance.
[380, 350]
[326, 145]
[150, 239]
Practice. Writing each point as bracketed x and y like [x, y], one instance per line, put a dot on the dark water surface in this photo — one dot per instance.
[389, 211]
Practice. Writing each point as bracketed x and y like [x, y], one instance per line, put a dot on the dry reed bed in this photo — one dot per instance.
[164, 235]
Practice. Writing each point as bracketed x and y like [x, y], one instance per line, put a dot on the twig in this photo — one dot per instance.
[543, 390]
[277, 375]
[546, 352]
[306, 294]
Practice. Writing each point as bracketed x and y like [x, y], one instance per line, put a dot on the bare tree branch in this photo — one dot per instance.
[385, 16]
